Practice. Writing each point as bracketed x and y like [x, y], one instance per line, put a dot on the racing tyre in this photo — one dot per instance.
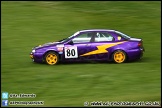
[51, 58]
[119, 56]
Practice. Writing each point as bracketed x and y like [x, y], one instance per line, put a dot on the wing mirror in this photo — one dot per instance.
[70, 42]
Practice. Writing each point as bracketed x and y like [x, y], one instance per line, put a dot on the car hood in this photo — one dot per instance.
[46, 45]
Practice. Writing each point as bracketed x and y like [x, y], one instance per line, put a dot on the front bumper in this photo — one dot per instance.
[31, 55]
[36, 57]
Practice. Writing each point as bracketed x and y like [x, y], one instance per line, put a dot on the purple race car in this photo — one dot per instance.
[95, 44]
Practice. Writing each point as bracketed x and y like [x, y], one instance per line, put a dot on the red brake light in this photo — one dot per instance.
[139, 44]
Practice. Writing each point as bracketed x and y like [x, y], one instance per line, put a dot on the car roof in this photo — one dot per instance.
[97, 30]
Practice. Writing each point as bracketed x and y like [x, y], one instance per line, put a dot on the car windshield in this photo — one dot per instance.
[123, 35]
[66, 39]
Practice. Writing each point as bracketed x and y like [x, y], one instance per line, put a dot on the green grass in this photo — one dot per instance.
[27, 24]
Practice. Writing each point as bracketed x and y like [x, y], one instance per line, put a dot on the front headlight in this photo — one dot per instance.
[33, 51]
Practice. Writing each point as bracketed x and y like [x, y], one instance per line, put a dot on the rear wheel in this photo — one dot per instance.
[119, 56]
[51, 58]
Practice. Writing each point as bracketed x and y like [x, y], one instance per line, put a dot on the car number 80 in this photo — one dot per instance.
[71, 52]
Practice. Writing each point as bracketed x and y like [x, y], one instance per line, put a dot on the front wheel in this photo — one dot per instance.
[119, 56]
[51, 58]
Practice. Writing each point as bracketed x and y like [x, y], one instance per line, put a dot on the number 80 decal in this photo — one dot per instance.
[71, 52]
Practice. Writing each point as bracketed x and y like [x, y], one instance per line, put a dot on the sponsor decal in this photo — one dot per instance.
[60, 45]
[60, 52]
[60, 48]
[119, 38]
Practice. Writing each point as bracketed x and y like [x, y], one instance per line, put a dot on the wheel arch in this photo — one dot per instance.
[48, 52]
[110, 57]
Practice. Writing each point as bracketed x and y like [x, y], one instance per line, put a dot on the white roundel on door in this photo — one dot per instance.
[71, 52]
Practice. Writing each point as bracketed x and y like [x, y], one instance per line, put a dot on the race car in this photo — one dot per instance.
[90, 45]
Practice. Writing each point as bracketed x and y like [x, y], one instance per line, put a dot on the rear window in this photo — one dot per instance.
[122, 35]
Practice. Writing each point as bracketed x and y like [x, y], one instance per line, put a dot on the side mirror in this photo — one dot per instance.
[70, 42]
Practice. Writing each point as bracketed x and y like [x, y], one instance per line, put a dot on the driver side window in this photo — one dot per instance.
[84, 37]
